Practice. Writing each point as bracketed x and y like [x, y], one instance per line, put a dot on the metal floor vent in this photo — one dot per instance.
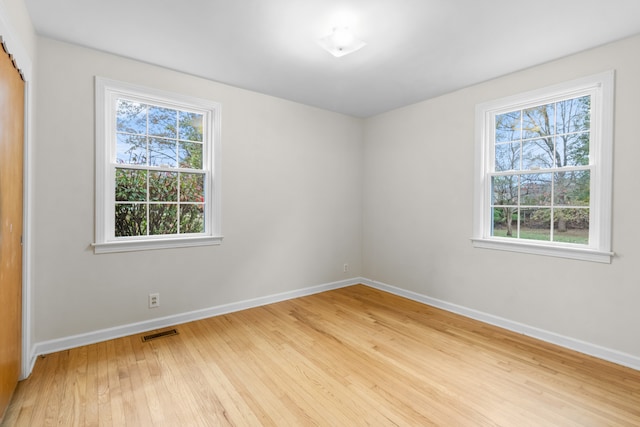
[157, 335]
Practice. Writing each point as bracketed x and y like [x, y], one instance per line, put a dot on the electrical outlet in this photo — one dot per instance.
[345, 268]
[154, 300]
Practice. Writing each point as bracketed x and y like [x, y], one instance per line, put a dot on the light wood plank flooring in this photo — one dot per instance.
[349, 357]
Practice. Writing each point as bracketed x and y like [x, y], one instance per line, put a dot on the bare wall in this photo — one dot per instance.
[17, 17]
[417, 204]
[291, 202]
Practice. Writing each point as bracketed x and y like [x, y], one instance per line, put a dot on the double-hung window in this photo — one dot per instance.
[543, 171]
[157, 169]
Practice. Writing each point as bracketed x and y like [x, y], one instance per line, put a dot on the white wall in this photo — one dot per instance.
[15, 13]
[291, 202]
[417, 204]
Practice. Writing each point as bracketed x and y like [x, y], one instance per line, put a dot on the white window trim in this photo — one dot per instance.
[106, 91]
[601, 89]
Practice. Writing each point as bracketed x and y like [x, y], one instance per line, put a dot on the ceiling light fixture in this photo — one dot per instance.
[341, 42]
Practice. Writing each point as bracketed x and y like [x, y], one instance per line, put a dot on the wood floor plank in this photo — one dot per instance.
[352, 356]
[116, 408]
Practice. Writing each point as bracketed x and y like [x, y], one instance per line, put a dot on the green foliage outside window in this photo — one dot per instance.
[159, 180]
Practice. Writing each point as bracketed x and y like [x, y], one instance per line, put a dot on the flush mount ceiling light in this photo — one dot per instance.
[341, 42]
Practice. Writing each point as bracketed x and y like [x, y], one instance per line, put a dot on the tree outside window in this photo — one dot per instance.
[542, 186]
[159, 180]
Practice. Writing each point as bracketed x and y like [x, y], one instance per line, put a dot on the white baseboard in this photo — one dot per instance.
[66, 343]
[604, 353]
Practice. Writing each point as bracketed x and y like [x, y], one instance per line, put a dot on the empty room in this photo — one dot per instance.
[322, 212]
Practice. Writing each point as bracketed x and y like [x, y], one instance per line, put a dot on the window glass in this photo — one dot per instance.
[530, 199]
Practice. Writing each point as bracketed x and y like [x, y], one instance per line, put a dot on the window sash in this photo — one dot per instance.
[148, 201]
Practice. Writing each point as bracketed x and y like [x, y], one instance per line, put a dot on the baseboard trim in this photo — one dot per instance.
[73, 341]
[594, 350]
[66, 343]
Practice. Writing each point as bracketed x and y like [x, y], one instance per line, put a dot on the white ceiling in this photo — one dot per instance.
[416, 49]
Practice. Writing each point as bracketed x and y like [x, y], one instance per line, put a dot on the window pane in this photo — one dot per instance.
[504, 190]
[163, 186]
[505, 221]
[571, 225]
[192, 218]
[162, 152]
[131, 185]
[162, 122]
[190, 126]
[572, 188]
[131, 117]
[573, 150]
[535, 189]
[131, 149]
[190, 155]
[131, 219]
[537, 154]
[508, 127]
[191, 187]
[535, 224]
[163, 219]
[538, 121]
[508, 156]
[574, 115]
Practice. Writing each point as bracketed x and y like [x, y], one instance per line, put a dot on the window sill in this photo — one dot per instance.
[546, 250]
[162, 243]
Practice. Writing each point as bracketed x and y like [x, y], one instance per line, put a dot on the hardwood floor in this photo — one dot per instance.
[353, 356]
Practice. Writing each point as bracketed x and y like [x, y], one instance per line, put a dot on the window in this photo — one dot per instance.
[543, 171]
[157, 169]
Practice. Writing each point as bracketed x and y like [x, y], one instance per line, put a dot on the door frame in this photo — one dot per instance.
[24, 64]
